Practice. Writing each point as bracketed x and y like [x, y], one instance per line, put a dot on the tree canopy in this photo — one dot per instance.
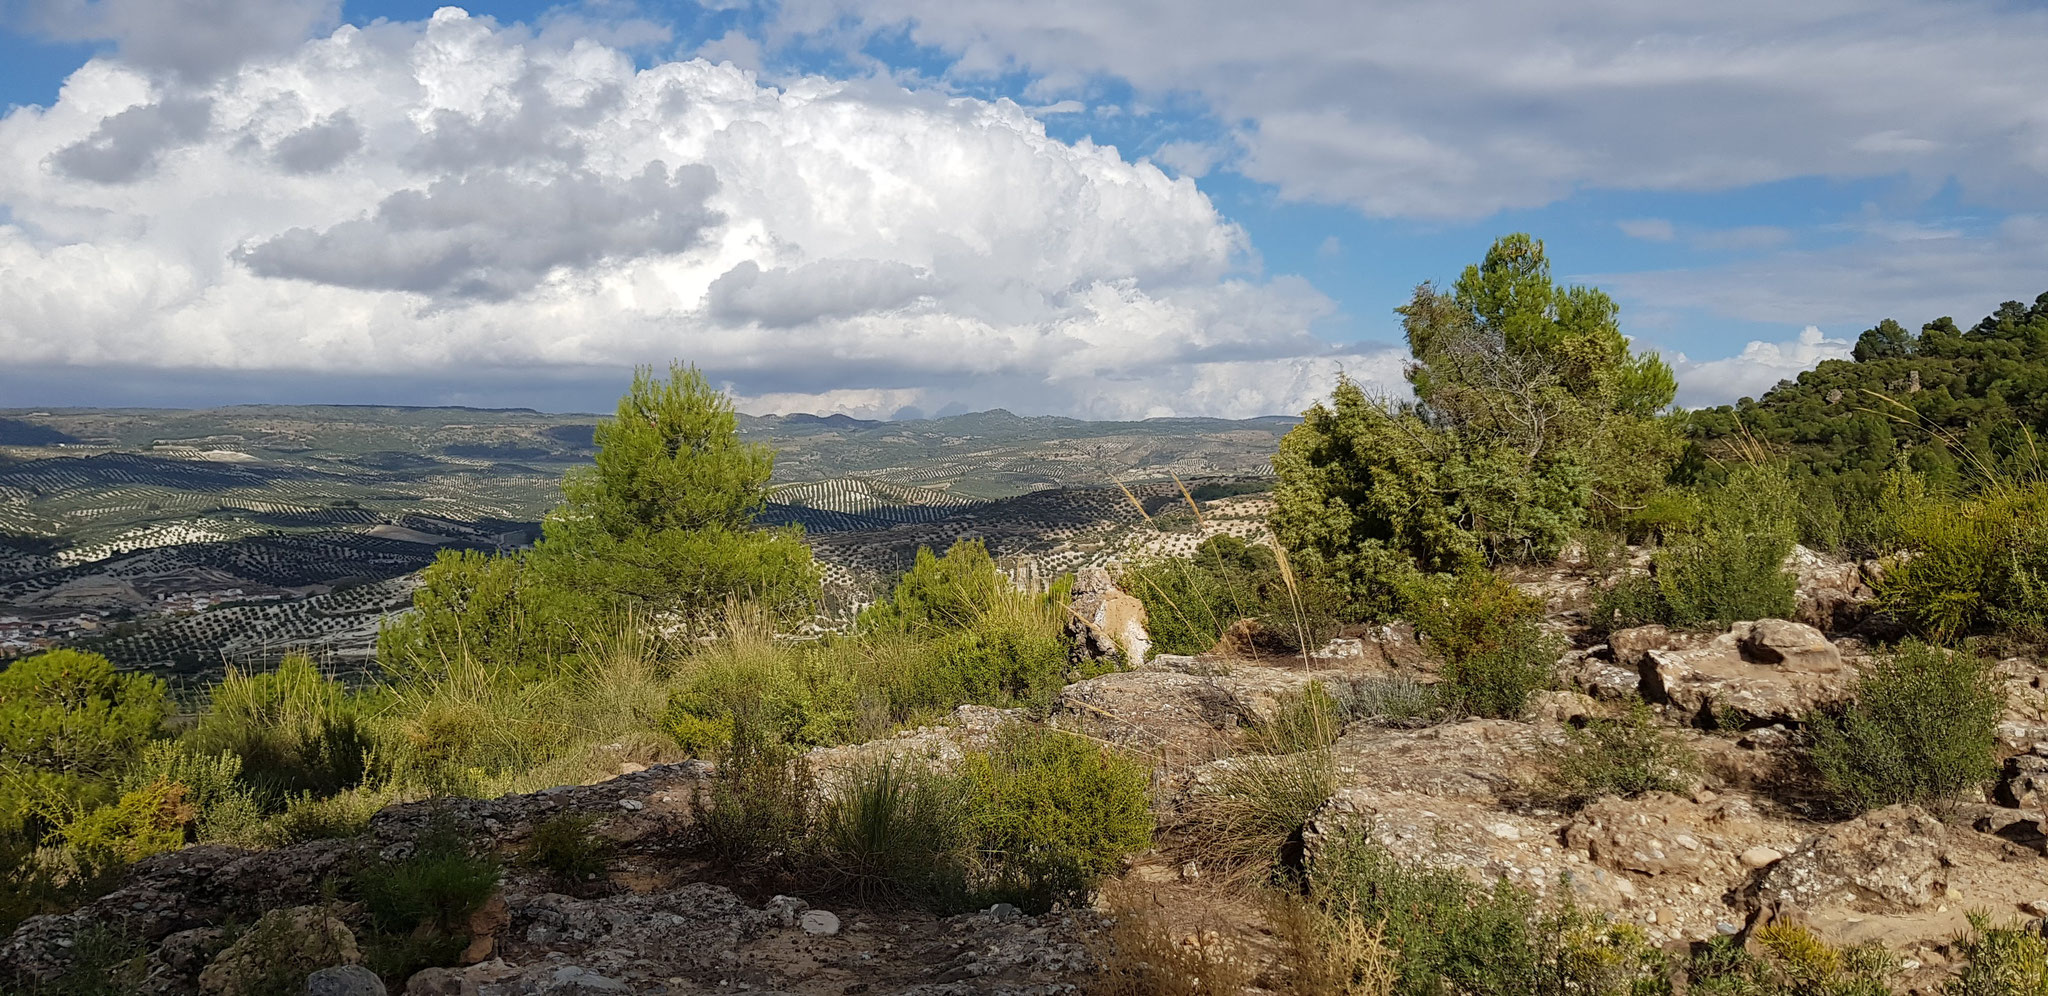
[1532, 417]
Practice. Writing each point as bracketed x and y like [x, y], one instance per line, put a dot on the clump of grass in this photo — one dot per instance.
[1139, 955]
[565, 846]
[1396, 700]
[294, 729]
[894, 827]
[1626, 756]
[1257, 807]
[419, 906]
[1306, 720]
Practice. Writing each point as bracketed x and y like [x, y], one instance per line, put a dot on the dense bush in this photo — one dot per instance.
[471, 605]
[954, 631]
[1625, 756]
[1489, 636]
[1532, 418]
[1721, 559]
[67, 711]
[2009, 960]
[1922, 728]
[1972, 563]
[1050, 815]
[1785, 959]
[293, 729]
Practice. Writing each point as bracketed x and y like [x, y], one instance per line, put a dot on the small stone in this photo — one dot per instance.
[344, 980]
[1505, 831]
[632, 805]
[1190, 871]
[785, 909]
[2037, 907]
[1760, 856]
[819, 923]
[1004, 911]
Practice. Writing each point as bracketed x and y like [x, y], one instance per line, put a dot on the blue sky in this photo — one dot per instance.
[1754, 184]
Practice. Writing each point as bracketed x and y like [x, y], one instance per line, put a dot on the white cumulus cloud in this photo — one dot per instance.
[455, 196]
[1758, 368]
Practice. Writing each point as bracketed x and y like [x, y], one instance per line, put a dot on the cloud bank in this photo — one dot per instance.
[456, 194]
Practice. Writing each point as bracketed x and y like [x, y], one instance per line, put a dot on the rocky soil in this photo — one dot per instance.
[1739, 847]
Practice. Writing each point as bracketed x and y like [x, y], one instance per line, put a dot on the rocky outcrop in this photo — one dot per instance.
[283, 946]
[1104, 621]
[1834, 596]
[1889, 860]
[1190, 707]
[1755, 674]
[2023, 782]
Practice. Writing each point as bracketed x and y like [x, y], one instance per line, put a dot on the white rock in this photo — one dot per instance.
[1758, 857]
[820, 923]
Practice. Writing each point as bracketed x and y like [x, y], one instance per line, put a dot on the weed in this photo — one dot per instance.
[894, 827]
[564, 847]
[1625, 756]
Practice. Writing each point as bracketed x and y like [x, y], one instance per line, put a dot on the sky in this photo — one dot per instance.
[909, 208]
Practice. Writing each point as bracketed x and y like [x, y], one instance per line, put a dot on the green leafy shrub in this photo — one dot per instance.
[1489, 636]
[148, 820]
[336, 817]
[1625, 756]
[565, 847]
[2007, 960]
[1451, 935]
[472, 605]
[1922, 728]
[66, 710]
[1785, 959]
[1052, 813]
[293, 729]
[225, 810]
[1973, 563]
[941, 592]
[1732, 566]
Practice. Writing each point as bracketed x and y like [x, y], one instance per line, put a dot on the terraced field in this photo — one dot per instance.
[178, 540]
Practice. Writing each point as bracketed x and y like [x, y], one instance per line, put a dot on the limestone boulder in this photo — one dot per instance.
[1885, 861]
[1834, 596]
[1756, 674]
[1105, 622]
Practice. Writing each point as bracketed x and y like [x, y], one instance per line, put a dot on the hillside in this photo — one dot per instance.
[183, 539]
